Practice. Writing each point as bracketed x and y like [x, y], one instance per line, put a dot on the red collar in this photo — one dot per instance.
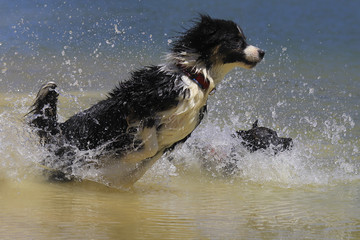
[198, 78]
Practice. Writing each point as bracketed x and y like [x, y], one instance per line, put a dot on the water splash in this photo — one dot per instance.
[312, 161]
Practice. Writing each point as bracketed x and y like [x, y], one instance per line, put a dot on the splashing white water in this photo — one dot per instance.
[309, 162]
[318, 157]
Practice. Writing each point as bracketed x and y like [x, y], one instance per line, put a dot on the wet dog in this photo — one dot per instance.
[263, 138]
[224, 158]
[147, 115]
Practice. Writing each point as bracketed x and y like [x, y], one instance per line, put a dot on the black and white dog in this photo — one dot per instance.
[258, 138]
[224, 158]
[147, 115]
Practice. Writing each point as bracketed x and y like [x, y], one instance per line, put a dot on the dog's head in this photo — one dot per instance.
[217, 42]
[263, 138]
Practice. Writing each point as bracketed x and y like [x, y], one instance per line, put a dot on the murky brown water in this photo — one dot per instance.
[169, 202]
[183, 207]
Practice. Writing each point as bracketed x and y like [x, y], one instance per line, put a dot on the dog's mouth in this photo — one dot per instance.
[249, 65]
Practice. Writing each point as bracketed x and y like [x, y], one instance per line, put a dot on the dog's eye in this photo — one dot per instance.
[243, 45]
[240, 42]
[237, 38]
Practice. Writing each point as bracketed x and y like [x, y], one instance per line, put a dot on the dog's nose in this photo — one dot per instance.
[261, 53]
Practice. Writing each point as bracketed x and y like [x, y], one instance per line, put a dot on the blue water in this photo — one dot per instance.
[320, 37]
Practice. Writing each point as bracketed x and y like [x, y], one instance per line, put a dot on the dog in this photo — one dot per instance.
[147, 115]
[263, 138]
[222, 159]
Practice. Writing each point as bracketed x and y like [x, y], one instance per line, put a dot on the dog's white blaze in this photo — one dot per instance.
[252, 53]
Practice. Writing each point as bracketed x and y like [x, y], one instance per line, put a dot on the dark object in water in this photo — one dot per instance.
[263, 138]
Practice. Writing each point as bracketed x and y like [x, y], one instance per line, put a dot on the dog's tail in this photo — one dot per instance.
[43, 113]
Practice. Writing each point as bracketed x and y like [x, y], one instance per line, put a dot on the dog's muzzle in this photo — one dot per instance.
[253, 54]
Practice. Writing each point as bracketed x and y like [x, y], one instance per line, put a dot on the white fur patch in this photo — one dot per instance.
[252, 54]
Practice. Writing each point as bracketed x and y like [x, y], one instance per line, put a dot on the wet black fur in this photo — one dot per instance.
[105, 124]
[147, 92]
[207, 34]
[263, 138]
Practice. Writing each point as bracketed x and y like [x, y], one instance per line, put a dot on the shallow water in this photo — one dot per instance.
[185, 207]
[307, 88]
[290, 195]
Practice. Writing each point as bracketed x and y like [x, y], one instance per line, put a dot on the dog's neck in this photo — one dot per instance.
[190, 61]
[197, 77]
[219, 71]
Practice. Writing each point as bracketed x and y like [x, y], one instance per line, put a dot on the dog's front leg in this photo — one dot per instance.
[141, 168]
[124, 174]
[147, 149]
[126, 170]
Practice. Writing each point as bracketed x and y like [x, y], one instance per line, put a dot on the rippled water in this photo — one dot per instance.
[307, 88]
[182, 208]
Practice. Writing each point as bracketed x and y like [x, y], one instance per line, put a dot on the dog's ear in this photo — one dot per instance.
[205, 18]
[255, 124]
[208, 23]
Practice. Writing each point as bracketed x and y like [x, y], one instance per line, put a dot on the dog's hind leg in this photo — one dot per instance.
[43, 113]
